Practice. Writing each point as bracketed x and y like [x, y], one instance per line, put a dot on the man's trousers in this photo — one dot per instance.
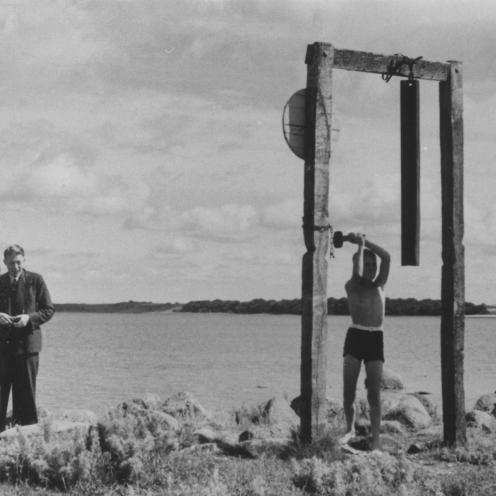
[18, 373]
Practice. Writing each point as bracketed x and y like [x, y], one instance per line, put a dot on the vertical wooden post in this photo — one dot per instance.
[319, 62]
[453, 270]
[410, 172]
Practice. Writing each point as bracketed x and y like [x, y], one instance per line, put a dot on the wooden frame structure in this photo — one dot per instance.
[321, 60]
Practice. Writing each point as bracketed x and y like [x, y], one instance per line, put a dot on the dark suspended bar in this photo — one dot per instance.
[410, 172]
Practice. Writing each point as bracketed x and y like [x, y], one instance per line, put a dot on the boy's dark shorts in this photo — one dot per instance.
[364, 345]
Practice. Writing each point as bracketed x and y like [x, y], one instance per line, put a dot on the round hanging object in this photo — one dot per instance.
[293, 123]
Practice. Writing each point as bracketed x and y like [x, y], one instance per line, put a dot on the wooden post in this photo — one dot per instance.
[316, 232]
[321, 59]
[453, 270]
[410, 172]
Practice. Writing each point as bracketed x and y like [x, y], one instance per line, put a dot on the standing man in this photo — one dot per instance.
[25, 304]
[364, 340]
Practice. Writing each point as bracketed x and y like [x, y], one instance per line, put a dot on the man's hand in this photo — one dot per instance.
[21, 320]
[5, 319]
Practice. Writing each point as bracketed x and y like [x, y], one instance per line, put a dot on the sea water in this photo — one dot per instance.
[94, 360]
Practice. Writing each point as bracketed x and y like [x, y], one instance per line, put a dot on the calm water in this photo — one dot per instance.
[96, 360]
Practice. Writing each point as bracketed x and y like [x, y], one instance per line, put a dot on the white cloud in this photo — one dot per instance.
[283, 215]
[230, 221]
[164, 117]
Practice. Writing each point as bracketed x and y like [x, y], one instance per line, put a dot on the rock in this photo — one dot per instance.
[248, 415]
[278, 410]
[486, 403]
[205, 435]
[55, 429]
[391, 380]
[429, 405]
[481, 420]
[184, 405]
[389, 401]
[208, 435]
[280, 418]
[166, 421]
[334, 408]
[362, 410]
[149, 418]
[362, 428]
[258, 447]
[415, 448]
[74, 415]
[410, 412]
[296, 405]
[245, 436]
[392, 427]
[149, 400]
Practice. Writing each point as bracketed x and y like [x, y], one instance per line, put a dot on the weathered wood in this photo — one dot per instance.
[410, 172]
[453, 270]
[352, 60]
[316, 234]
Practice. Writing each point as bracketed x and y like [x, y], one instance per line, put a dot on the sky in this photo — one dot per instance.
[143, 159]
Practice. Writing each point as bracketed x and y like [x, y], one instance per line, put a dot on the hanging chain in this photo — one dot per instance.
[396, 62]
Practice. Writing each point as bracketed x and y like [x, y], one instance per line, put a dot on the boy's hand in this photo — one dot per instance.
[356, 238]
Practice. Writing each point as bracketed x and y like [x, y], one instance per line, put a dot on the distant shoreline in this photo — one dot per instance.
[335, 306]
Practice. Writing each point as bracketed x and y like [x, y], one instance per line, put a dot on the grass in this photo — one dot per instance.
[134, 452]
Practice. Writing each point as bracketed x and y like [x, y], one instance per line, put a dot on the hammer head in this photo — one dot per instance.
[337, 239]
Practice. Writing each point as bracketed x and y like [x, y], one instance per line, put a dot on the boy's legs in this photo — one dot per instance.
[351, 370]
[374, 378]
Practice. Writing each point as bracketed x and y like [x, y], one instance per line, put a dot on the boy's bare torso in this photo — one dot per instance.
[366, 302]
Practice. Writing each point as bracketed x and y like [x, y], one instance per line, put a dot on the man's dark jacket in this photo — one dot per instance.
[32, 298]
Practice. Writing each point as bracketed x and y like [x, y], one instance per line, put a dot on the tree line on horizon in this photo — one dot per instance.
[335, 306]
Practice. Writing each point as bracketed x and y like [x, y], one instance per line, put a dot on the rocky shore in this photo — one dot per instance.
[72, 445]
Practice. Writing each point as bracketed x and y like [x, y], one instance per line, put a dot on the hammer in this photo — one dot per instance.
[339, 238]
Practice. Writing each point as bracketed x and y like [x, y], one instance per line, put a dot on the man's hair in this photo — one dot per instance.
[12, 251]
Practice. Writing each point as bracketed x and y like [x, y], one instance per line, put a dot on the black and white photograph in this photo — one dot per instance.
[247, 247]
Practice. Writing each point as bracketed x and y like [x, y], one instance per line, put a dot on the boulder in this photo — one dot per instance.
[486, 403]
[389, 401]
[279, 417]
[166, 421]
[184, 405]
[246, 436]
[391, 380]
[77, 415]
[278, 410]
[481, 420]
[255, 448]
[410, 412]
[362, 427]
[56, 430]
[392, 427]
[148, 400]
[429, 405]
[334, 408]
[139, 415]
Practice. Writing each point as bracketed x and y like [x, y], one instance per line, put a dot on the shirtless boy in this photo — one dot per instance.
[364, 340]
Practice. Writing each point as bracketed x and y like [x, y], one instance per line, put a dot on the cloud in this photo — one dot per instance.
[283, 215]
[174, 245]
[231, 222]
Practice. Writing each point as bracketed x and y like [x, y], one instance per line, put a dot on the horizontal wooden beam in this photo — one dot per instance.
[351, 60]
